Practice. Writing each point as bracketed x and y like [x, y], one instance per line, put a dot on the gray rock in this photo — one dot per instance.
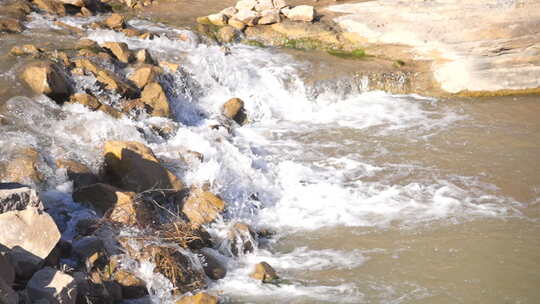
[15, 196]
[7, 294]
[53, 286]
[7, 273]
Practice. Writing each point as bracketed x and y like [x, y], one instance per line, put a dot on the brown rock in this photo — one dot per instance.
[154, 96]
[86, 12]
[103, 197]
[131, 32]
[119, 50]
[234, 109]
[147, 35]
[237, 24]
[132, 286]
[87, 44]
[218, 19]
[63, 58]
[115, 21]
[134, 167]
[213, 267]
[45, 77]
[80, 174]
[51, 7]
[200, 298]
[202, 207]
[112, 82]
[227, 34]
[77, 3]
[145, 75]
[110, 111]
[143, 56]
[68, 27]
[264, 273]
[173, 67]
[86, 100]
[10, 25]
[52, 285]
[242, 239]
[24, 167]
[88, 65]
[27, 49]
[90, 250]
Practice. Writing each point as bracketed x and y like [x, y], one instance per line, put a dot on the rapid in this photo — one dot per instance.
[371, 197]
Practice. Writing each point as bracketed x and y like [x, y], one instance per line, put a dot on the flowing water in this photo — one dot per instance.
[373, 197]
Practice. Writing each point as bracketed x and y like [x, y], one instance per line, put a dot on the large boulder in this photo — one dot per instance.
[155, 97]
[134, 167]
[202, 207]
[120, 50]
[14, 196]
[52, 285]
[45, 77]
[200, 298]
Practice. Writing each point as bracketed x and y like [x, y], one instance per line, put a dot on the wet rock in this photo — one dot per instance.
[26, 49]
[248, 17]
[52, 285]
[80, 174]
[10, 25]
[87, 65]
[90, 250]
[110, 111]
[115, 22]
[237, 24]
[103, 197]
[185, 235]
[86, 100]
[14, 196]
[120, 50]
[68, 27]
[218, 19]
[227, 34]
[134, 167]
[234, 109]
[132, 286]
[144, 75]
[23, 168]
[45, 77]
[51, 7]
[242, 239]
[131, 32]
[114, 83]
[270, 16]
[154, 96]
[304, 13]
[30, 229]
[147, 36]
[172, 67]
[213, 267]
[200, 298]
[62, 58]
[202, 207]
[143, 56]
[264, 273]
[246, 5]
[7, 294]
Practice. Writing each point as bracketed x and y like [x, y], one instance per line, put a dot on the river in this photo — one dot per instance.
[373, 197]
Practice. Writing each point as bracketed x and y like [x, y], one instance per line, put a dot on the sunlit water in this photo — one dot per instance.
[374, 198]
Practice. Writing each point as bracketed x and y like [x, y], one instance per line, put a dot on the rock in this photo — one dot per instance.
[120, 50]
[115, 22]
[143, 56]
[112, 82]
[45, 77]
[234, 109]
[264, 273]
[86, 12]
[10, 25]
[68, 27]
[87, 65]
[7, 272]
[89, 250]
[227, 34]
[87, 44]
[132, 286]
[147, 36]
[144, 75]
[77, 3]
[51, 7]
[263, 5]
[14, 196]
[24, 167]
[242, 239]
[134, 167]
[247, 17]
[270, 16]
[52, 285]
[80, 174]
[26, 49]
[246, 5]
[154, 96]
[7, 294]
[86, 100]
[131, 32]
[200, 298]
[212, 267]
[218, 19]
[279, 4]
[304, 13]
[173, 67]
[202, 207]
[110, 111]
[102, 197]
[237, 24]
[229, 11]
